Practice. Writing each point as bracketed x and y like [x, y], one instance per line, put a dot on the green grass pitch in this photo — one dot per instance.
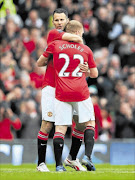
[103, 171]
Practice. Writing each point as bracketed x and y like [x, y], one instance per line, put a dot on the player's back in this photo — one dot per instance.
[70, 83]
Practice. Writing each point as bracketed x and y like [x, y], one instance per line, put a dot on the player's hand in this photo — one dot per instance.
[83, 67]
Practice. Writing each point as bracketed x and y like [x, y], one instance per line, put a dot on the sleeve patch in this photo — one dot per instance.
[45, 48]
[59, 30]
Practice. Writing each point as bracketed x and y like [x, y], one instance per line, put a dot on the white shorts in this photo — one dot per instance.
[47, 103]
[64, 111]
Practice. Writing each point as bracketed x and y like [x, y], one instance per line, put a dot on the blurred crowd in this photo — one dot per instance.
[109, 30]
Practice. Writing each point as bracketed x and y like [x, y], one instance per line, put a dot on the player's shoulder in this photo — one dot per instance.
[87, 48]
[54, 43]
[55, 31]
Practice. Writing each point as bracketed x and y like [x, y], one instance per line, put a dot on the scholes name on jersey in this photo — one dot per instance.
[75, 46]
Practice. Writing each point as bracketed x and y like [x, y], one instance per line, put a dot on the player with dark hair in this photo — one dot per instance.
[60, 19]
[61, 10]
[72, 93]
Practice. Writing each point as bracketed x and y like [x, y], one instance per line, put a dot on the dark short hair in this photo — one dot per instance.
[61, 10]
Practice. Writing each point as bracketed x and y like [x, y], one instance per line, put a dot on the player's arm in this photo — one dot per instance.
[93, 72]
[42, 61]
[72, 37]
[87, 73]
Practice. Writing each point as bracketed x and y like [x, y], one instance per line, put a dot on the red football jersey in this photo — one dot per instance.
[49, 78]
[70, 82]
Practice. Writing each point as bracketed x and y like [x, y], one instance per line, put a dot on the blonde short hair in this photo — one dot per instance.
[73, 26]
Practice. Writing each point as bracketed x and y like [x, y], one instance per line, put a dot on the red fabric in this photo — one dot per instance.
[5, 128]
[54, 34]
[37, 79]
[69, 86]
[6, 48]
[49, 78]
[30, 46]
[109, 119]
[98, 120]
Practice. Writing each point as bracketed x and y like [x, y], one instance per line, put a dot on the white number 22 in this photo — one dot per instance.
[76, 72]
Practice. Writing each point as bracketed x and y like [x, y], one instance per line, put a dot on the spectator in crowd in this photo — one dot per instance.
[8, 120]
[115, 64]
[91, 37]
[108, 82]
[107, 125]
[125, 49]
[14, 98]
[86, 14]
[130, 82]
[2, 96]
[53, 6]
[97, 110]
[33, 20]
[77, 17]
[25, 39]
[117, 28]
[129, 17]
[104, 26]
[24, 8]
[9, 31]
[6, 83]
[125, 122]
[120, 96]
[30, 120]
[68, 5]
[6, 6]
[25, 63]
[131, 100]
[45, 9]
[37, 76]
[38, 41]
[37, 99]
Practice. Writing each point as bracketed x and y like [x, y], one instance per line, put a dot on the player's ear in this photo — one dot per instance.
[53, 20]
[67, 20]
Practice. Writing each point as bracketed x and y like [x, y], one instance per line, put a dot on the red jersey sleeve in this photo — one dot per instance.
[49, 78]
[91, 61]
[54, 34]
[49, 49]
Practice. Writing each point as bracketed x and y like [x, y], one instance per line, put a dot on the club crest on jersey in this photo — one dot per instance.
[50, 114]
